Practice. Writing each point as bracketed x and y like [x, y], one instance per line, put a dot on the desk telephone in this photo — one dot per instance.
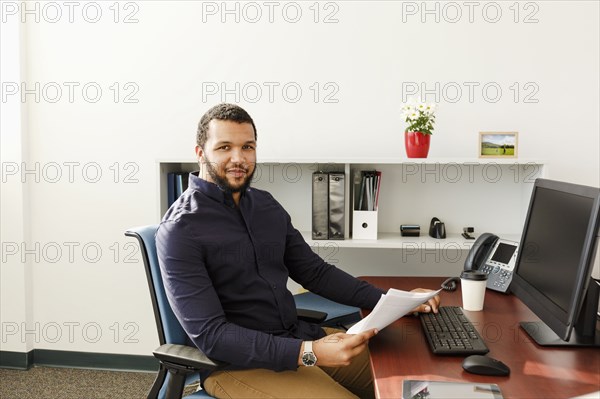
[494, 256]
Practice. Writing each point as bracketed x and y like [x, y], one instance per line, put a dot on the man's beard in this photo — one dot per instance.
[223, 183]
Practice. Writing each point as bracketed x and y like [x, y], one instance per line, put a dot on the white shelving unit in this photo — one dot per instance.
[491, 195]
[488, 194]
[395, 241]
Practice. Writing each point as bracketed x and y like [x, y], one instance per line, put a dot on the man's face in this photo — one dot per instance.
[229, 155]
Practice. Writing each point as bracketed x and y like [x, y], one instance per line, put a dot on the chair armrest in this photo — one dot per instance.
[311, 316]
[186, 356]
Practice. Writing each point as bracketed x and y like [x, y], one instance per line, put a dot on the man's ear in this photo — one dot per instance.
[199, 153]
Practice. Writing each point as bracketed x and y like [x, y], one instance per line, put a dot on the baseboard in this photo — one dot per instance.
[88, 360]
[16, 360]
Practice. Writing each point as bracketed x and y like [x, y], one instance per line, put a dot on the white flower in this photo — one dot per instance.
[419, 116]
[407, 109]
[429, 109]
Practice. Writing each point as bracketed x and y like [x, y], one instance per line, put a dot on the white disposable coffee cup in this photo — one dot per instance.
[473, 285]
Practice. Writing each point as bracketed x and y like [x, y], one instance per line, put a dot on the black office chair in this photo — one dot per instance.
[179, 363]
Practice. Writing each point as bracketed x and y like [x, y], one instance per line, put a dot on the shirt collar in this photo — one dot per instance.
[211, 189]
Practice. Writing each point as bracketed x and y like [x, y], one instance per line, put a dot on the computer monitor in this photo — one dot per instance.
[553, 269]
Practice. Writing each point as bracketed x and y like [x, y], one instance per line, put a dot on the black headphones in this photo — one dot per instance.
[450, 284]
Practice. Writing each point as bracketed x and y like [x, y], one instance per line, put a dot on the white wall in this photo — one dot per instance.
[170, 55]
[15, 274]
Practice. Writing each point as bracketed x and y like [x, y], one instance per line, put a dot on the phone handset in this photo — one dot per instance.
[480, 251]
[475, 259]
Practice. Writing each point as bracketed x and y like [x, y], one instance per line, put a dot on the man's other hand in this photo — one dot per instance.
[430, 306]
[338, 350]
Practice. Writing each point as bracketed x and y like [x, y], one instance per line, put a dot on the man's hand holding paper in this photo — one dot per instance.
[431, 305]
[394, 305]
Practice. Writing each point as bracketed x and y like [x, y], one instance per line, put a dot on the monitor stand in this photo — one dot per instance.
[585, 332]
[544, 336]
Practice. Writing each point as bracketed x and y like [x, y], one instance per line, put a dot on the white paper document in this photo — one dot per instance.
[391, 307]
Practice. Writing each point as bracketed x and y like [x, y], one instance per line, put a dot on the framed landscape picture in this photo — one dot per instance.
[498, 144]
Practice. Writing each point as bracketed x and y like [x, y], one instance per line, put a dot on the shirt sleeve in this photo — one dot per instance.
[313, 273]
[197, 307]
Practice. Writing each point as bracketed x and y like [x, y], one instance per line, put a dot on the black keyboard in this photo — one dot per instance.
[449, 332]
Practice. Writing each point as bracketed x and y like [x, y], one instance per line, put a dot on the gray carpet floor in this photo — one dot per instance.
[65, 383]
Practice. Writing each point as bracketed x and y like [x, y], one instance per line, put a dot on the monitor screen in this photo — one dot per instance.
[557, 247]
[554, 243]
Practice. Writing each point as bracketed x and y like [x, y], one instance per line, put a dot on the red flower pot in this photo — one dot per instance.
[417, 144]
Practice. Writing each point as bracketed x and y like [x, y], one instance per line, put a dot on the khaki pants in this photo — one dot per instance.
[352, 381]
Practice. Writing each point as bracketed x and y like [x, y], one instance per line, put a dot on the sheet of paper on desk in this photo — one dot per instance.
[391, 307]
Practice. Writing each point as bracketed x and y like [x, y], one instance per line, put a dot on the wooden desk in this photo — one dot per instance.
[400, 351]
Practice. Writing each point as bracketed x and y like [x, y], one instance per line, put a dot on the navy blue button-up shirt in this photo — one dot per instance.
[225, 270]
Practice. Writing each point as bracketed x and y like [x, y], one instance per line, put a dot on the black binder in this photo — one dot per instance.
[337, 214]
[320, 206]
[328, 206]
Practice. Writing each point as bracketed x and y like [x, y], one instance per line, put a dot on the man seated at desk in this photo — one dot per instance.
[226, 251]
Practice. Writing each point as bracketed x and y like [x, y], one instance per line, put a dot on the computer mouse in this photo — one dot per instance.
[484, 365]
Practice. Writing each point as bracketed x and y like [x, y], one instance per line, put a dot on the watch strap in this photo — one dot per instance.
[308, 346]
[308, 356]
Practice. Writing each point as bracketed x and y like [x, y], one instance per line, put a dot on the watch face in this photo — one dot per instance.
[309, 359]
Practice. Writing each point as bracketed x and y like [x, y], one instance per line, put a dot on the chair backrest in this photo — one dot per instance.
[168, 327]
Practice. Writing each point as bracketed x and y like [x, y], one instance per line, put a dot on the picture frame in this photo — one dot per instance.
[498, 144]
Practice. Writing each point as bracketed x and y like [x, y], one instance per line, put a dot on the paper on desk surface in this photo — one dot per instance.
[392, 306]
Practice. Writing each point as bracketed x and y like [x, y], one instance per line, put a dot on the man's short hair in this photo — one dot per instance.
[222, 112]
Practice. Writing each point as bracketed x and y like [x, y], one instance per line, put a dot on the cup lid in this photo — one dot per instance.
[473, 275]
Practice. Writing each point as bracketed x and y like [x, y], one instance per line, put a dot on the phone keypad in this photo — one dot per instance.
[487, 269]
[499, 278]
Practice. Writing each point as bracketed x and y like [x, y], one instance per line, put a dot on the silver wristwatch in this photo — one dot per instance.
[308, 356]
